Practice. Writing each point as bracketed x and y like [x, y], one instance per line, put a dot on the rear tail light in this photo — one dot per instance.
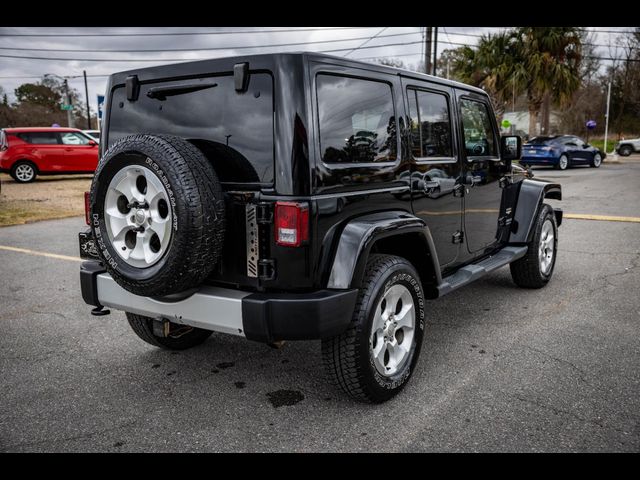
[86, 208]
[292, 223]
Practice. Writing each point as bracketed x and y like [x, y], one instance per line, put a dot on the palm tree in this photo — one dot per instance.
[544, 62]
[548, 68]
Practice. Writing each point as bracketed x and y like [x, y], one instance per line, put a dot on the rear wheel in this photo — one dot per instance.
[563, 162]
[180, 337]
[375, 357]
[24, 172]
[596, 161]
[534, 270]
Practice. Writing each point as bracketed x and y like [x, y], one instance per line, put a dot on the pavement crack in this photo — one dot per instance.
[581, 373]
[70, 437]
[569, 413]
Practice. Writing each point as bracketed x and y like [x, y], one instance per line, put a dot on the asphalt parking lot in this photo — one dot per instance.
[502, 369]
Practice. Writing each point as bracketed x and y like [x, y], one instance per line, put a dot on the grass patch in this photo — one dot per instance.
[45, 199]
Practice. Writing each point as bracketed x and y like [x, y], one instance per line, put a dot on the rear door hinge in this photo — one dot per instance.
[459, 190]
[457, 237]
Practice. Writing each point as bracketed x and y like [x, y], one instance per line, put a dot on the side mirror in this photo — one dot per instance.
[586, 145]
[510, 148]
[93, 143]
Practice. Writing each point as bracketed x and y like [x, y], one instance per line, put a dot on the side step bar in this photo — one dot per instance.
[474, 271]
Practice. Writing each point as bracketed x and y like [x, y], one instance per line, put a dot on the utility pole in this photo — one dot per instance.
[435, 50]
[606, 123]
[427, 50]
[69, 112]
[86, 95]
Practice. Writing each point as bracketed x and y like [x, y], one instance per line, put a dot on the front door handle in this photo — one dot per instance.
[471, 180]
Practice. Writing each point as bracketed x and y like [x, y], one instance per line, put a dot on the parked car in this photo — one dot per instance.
[561, 152]
[31, 151]
[95, 134]
[266, 197]
[627, 147]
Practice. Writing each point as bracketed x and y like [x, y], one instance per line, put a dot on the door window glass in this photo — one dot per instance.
[430, 124]
[72, 138]
[357, 120]
[479, 139]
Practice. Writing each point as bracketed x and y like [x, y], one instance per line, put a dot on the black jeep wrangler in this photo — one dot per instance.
[303, 196]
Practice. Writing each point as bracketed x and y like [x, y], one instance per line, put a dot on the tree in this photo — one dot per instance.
[38, 94]
[624, 74]
[391, 62]
[549, 69]
[543, 62]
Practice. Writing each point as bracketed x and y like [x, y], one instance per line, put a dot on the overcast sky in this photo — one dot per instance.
[15, 42]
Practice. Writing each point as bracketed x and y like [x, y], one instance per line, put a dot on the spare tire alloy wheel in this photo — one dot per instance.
[157, 214]
[138, 216]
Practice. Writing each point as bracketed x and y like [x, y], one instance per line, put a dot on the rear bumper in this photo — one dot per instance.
[257, 316]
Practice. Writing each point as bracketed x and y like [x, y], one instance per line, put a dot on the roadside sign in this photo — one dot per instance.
[506, 123]
[591, 124]
[100, 105]
[66, 107]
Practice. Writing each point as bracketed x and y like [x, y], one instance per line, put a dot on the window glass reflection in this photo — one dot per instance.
[357, 121]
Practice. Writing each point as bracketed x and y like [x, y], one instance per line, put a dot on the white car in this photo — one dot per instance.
[627, 147]
[94, 134]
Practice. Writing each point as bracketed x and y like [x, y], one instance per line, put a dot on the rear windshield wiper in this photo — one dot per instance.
[161, 93]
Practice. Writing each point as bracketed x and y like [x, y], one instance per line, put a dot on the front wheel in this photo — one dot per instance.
[179, 337]
[625, 151]
[375, 357]
[596, 161]
[534, 270]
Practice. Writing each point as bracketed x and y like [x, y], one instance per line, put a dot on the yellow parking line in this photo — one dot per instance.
[606, 218]
[42, 254]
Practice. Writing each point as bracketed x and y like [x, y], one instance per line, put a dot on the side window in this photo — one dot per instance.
[40, 138]
[72, 138]
[357, 120]
[430, 124]
[479, 139]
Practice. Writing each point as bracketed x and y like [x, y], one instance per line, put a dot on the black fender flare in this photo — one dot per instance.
[530, 198]
[361, 233]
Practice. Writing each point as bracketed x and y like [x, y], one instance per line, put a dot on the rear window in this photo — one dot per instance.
[541, 140]
[39, 138]
[235, 129]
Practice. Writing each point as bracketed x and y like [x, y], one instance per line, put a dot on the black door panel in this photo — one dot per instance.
[435, 173]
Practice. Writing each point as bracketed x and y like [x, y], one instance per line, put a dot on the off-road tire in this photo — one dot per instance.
[198, 213]
[526, 272]
[346, 357]
[143, 327]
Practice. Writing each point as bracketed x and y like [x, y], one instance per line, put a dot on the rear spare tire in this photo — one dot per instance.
[157, 214]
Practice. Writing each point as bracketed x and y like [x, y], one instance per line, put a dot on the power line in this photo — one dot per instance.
[184, 59]
[241, 47]
[156, 34]
[365, 42]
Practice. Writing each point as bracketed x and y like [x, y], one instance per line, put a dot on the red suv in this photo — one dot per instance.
[27, 152]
